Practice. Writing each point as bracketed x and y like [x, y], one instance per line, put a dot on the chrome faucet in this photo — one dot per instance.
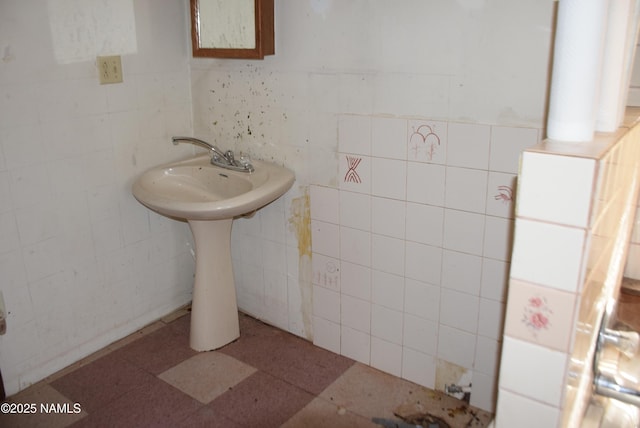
[610, 377]
[218, 157]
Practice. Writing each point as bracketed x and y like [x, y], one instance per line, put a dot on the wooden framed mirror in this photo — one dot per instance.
[232, 28]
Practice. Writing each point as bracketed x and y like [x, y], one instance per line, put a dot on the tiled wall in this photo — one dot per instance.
[411, 250]
[81, 262]
[576, 204]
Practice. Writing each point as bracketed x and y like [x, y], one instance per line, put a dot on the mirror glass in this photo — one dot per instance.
[225, 24]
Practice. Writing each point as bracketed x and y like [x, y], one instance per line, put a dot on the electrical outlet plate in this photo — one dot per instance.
[109, 69]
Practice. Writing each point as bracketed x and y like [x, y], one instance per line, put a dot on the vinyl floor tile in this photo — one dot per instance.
[287, 357]
[267, 378]
[96, 385]
[155, 404]
[207, 375]
[261, 400]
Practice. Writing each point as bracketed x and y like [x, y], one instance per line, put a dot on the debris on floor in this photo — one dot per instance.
[417, 415]
[389, 423]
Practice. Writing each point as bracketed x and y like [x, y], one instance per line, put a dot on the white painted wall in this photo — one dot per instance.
[82, 264]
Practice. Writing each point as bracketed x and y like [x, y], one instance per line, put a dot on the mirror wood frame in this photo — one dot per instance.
[264, 33]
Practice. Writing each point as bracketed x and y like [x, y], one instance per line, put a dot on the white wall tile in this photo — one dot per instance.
[487, 357]
[498, 238]
[501, 194]
[459, 310]
[29, 186]
[495, 276]
[275, 298]
[355, 280]
[355, 246]
[557, 188]
[468, 145]
[389, 178]
[424, 224]
[463, 231]
[354, 172]
[419, 368]
[273, 222]
[325, 271]
[355, 344]
[388, 217]
[427, 141]
[542, 381]
[456, 346]
[484, 392]
[516, 410]
[325, 238]
[461, 272]
[5, 192]
[356, 313]
[420, 334]
[326, 334]
[386, 324]
[491, 319]
[466, 189]
[422, 299]
[355, 210]
[388, 138]
[423, 262]
[386, 356]
[388, 290]
[387, 254]
[9, 238]
[22, 146]
[325, 204]
[38, 223]
[426, 183]
[554, 261]
[507, 145]
[42, 259]
[326, 304]
[354, 134]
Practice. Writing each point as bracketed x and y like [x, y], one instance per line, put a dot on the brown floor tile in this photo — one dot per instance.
[37, 395]
[286, 356]
[208, 418]
[261, 400]
[370, 393]
[161, 349]
[321, 414]
[155, 404]
[207, 375]
[267, 378]
[99, 383]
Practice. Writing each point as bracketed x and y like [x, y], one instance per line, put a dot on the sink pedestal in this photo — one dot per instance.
[214, 309]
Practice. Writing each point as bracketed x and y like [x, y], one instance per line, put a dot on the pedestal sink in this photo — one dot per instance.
[209, 197]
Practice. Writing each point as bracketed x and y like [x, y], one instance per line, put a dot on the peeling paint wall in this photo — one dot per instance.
[481, 62]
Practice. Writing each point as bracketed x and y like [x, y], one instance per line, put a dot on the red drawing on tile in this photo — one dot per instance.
[352, 176]
[505, 194]
[536, 314]
[424, 140]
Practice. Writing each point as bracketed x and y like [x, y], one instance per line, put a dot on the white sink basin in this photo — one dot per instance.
[193, 189]
[209, 197]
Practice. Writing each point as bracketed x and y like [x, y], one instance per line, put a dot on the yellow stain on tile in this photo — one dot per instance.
[300, 224]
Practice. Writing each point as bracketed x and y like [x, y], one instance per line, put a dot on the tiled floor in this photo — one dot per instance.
[267, 378]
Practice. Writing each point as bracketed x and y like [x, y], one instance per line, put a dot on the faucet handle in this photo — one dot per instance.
[627, 342]
[230, 157]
